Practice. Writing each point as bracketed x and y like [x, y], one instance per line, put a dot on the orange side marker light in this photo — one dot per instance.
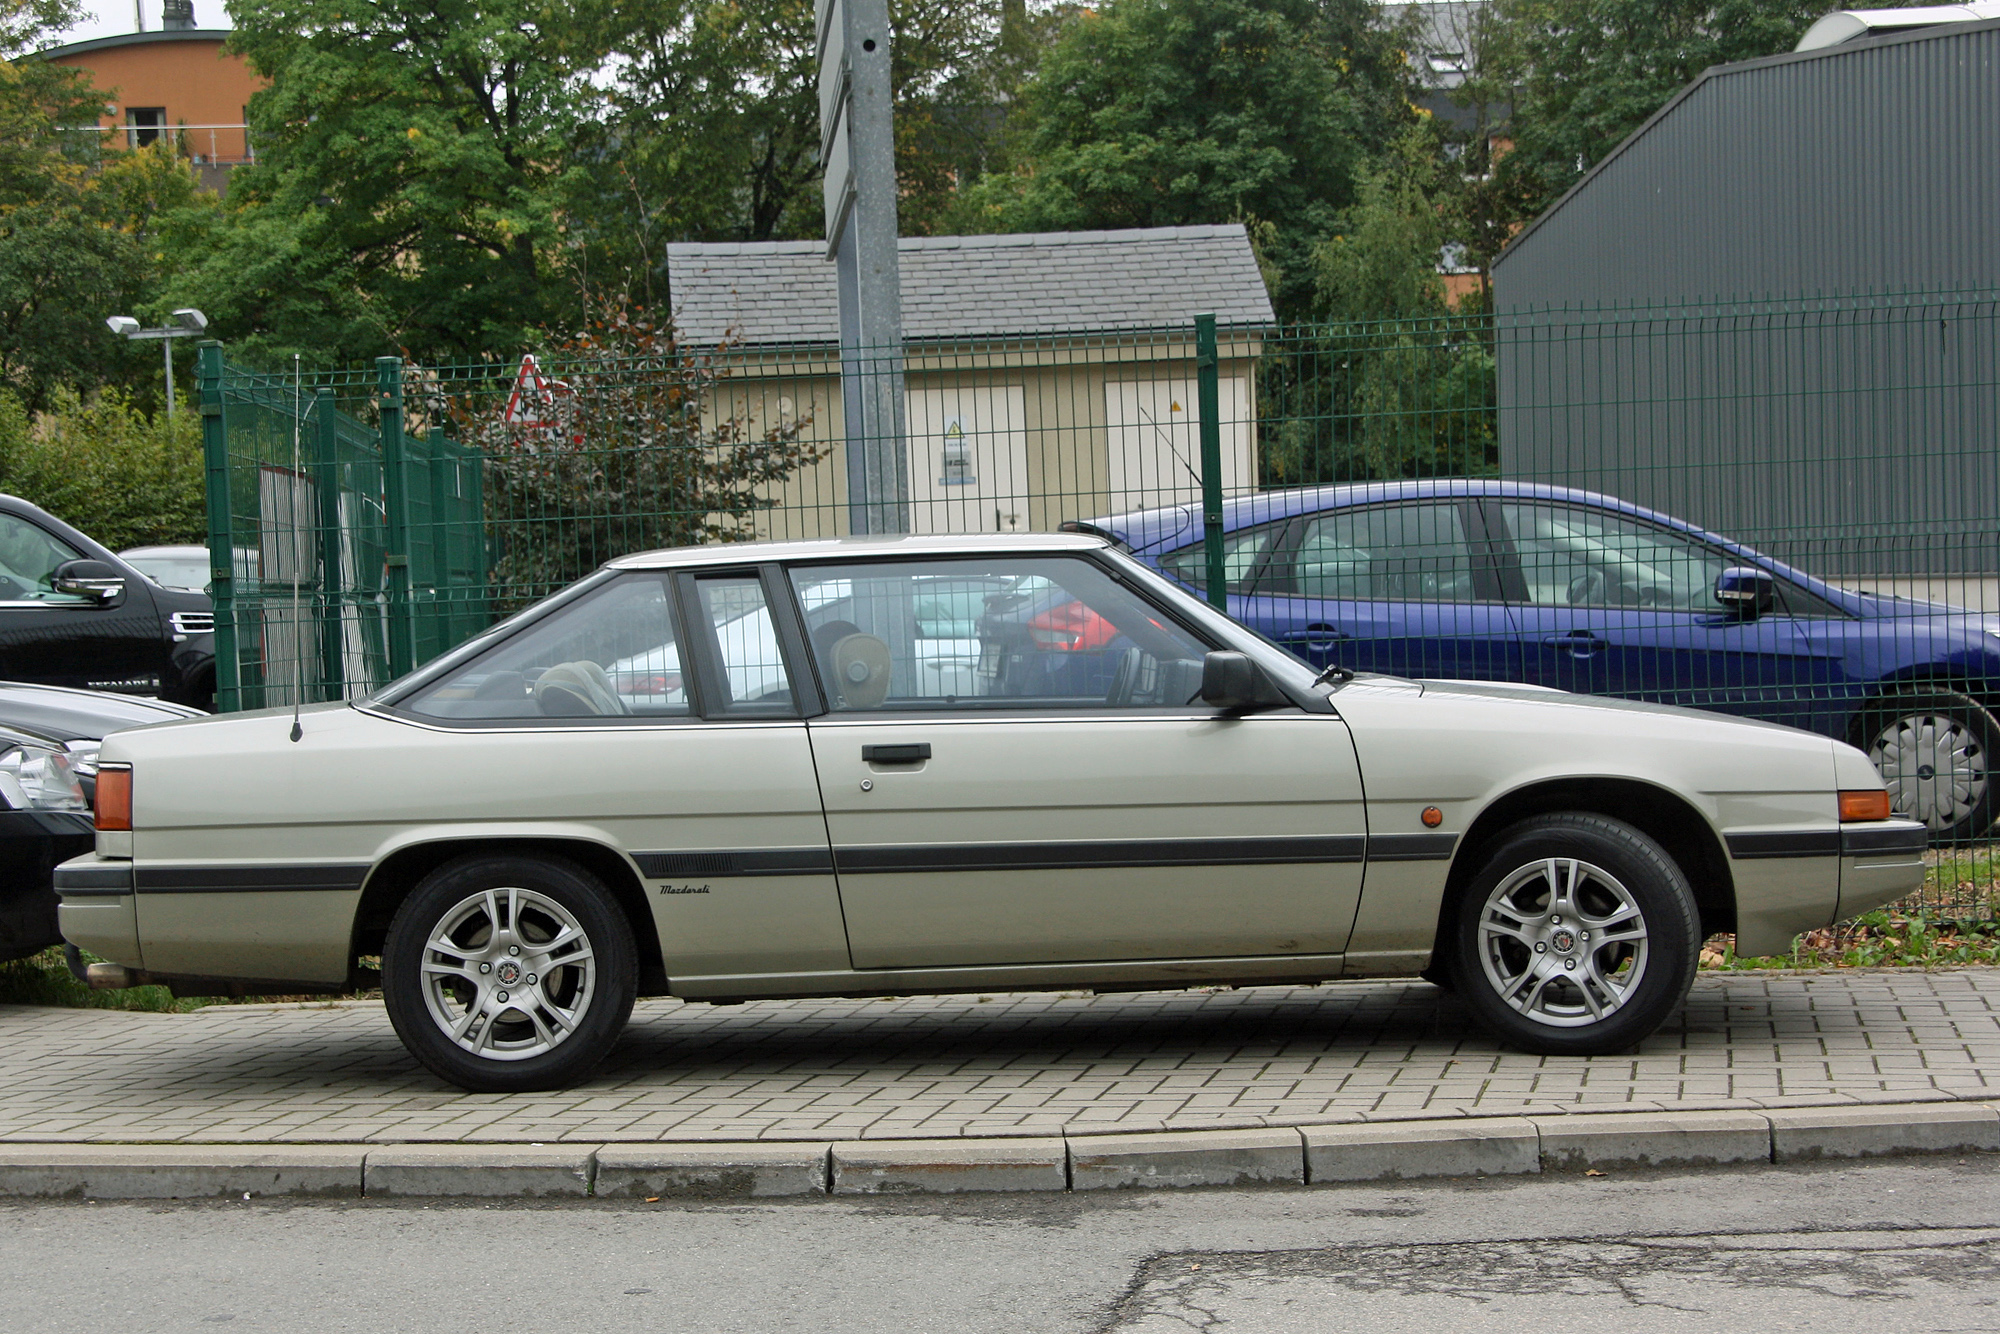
[1864, 805]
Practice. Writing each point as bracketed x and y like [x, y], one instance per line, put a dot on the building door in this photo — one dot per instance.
[968, 459]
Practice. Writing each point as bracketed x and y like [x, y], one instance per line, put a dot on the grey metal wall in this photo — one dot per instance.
[1815, 241]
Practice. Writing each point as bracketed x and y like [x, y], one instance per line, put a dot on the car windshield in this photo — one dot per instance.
[173, 571]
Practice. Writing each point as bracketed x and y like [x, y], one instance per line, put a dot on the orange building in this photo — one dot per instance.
[176, 85]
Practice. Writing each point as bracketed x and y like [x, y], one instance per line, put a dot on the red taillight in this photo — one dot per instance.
[647, 683]
[1071, 628]
[1865, 804]
[114, 797]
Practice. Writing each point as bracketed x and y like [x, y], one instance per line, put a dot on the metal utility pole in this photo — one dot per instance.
[858, 148]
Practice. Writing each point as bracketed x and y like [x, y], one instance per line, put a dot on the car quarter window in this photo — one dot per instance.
[612, 653]
[1243, 554]
[991, 632]
[1388, 553]
[29, 558]
[1572, 556]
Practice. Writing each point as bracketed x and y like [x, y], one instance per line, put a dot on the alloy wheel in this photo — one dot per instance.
[1562, 942]
[508, 973]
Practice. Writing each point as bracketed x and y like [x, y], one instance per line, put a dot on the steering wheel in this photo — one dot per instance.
[1125, 680]
[1587, 588]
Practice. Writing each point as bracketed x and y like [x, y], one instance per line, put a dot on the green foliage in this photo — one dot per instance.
[44, 979]
[636, 458]
[1583, 74]
[1151, 113]
[412, 157]
[125, 477]
[1389, 383]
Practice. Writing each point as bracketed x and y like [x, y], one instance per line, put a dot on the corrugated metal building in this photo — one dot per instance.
[1772, 309]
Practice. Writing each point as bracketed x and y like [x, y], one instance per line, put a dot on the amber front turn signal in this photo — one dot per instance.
[1866, 805]
[114, 797]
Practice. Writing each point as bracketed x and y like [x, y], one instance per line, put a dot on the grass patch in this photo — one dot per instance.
[44, 979]
[1887, 938]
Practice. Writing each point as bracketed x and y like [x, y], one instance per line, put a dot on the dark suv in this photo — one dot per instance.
[73, 614]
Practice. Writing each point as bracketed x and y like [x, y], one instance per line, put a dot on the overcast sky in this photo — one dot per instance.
[108, 18]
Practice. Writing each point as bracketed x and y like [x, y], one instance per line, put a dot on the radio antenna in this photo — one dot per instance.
[298, 556]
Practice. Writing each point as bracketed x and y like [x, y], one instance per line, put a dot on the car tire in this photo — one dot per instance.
[1577, 936]
[536, 1003]
[1917, 741]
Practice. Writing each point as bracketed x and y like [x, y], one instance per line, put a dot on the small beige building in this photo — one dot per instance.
[1050, 376]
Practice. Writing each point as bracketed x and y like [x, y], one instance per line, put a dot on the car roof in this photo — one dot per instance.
[850, 548]
[1143, 529]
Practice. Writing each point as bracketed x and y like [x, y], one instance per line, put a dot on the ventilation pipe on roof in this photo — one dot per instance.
[1847, 25]
[177, 15]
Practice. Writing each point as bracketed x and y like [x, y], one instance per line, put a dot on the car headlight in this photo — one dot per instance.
[32, 778]
[83, 757]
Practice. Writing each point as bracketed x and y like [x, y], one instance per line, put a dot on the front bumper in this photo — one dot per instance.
[31, 845]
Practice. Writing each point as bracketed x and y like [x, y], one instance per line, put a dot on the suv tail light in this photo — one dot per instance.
[1071, 628]
[114, 796]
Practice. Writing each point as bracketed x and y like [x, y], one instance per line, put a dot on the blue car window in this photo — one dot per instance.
[1241, 553]
[1393, 553]
[1577, 557]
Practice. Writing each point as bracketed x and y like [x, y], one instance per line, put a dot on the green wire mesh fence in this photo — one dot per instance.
[1817, 543]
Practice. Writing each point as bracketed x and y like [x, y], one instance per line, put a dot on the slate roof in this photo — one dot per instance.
[960, 287]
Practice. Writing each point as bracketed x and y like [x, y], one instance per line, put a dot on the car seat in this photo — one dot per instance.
[577, 689]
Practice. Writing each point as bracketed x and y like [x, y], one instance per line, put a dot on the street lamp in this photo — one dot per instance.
[187, 323]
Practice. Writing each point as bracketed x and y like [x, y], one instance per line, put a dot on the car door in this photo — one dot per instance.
[1076, 806]
[60, 639]
[1406, 588]
[1610, 604]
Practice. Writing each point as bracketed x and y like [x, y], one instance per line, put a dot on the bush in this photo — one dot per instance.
[126, 478]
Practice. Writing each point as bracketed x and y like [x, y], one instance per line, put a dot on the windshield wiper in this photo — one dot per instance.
[1334, 672]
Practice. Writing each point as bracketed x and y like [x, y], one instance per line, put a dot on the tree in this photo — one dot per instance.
[420, 148]
[1169, 112]
[635, 457]
[1583, 74]
[1389, 382]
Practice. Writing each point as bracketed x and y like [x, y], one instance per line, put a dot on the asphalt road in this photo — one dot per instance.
[1910, 1245]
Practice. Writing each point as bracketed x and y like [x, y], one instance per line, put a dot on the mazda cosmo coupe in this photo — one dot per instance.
[1119, 789]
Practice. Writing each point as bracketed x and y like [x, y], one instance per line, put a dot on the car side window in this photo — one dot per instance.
[1386, 553]
[1572, 556]
[612, 653]
[748, 664]
[29, 558]
[1242, 553]
[991, 632]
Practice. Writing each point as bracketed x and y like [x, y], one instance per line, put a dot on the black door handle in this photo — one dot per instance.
[915, 752]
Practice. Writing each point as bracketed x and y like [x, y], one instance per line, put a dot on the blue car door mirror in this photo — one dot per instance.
[1746, 591]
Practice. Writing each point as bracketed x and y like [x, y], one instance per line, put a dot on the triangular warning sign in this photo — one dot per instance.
[528, 405]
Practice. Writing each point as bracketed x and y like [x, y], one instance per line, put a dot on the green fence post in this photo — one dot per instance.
[332, 596]
[396, 503]
[1208, 403]
[221, 539]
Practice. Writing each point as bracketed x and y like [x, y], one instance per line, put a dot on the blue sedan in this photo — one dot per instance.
[1503, 581]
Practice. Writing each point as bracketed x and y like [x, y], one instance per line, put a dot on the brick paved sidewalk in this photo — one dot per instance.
[1004, 1065]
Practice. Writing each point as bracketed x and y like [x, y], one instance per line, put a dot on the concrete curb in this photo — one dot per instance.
[1302, 1155]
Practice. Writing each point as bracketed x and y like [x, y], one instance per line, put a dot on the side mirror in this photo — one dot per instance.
[1235, 682]
[1745, 591]
[91, 579]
